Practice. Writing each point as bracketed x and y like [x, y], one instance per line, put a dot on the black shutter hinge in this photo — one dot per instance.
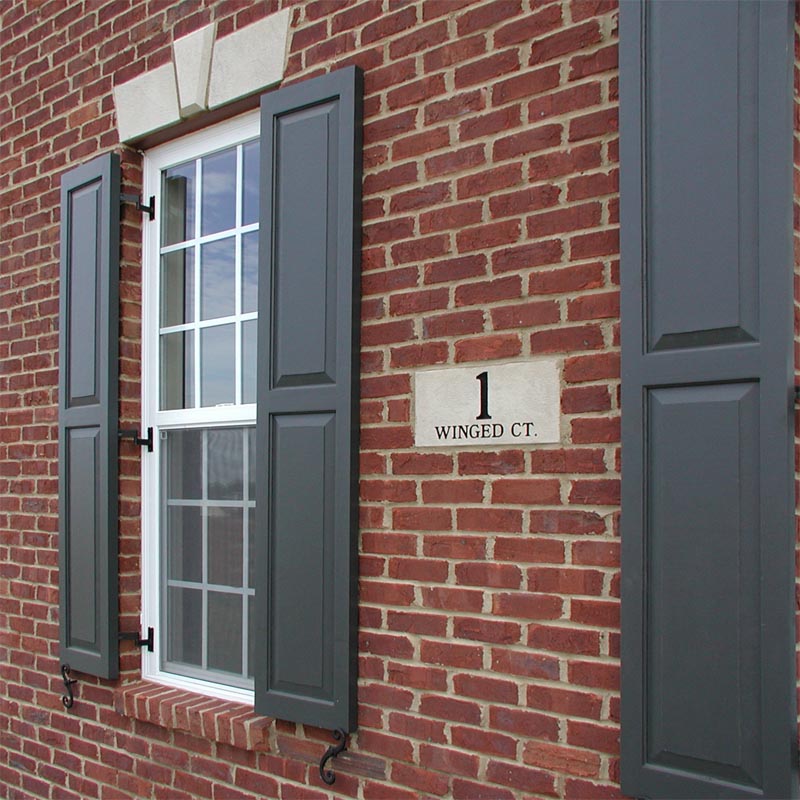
[140, 206]
[328, 775]
[135, 636]
[133, 434]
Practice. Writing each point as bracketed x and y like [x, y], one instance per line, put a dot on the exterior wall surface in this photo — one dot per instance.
[489, 633]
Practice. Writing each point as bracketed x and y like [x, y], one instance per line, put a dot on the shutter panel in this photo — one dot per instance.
[708, 645]
[306, 504]
[88, 416]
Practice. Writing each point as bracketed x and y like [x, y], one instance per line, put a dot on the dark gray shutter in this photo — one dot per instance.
[88, 416]
[708, 644]
[307, 401]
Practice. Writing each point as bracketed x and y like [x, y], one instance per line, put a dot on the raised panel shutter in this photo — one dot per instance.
[88, 416]
[306, 506]
[708, 643]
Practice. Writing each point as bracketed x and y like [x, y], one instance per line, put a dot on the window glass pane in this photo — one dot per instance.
[185, 629]
[250, 179]
[251, 637]
[250, 271]
[177, 370]
[225, 464]
[225, 632]
[177, 287]
[178, 206]
[217, 279]
[219, 192]
[251, 473]
[251, 538]
[185, 465]
[249, 330]
[185, 543]
[217, 365]
[225, 543]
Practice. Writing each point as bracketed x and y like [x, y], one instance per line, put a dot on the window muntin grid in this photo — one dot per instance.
[207, 544]
[208, 279]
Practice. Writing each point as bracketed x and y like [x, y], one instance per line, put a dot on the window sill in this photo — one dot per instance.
[221, 721]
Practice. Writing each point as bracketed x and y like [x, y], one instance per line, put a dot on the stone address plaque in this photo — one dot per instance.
[488, 404]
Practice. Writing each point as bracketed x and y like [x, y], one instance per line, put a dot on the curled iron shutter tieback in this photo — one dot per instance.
[328, 775]
[67, 699]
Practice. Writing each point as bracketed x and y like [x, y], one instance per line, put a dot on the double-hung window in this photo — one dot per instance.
[200, 296]
[249, 383]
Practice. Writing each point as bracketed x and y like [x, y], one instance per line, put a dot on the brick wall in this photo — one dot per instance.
[488, 653]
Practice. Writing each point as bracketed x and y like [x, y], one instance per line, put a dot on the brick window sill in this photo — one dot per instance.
[222, 721]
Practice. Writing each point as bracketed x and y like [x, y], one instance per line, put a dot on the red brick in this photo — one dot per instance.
[421, 464]
[595, 492]
[538, 549]
[567, 702]
[564, 640]
[496, 744]
[420, 249]
[599, 184]
[596, 553]
[452, 491]
[531, 198]
[598, 123]
[590, 430]
[563, 581]
[489, 181]
[526, 491]
[454, 106]
[447, 760]
[486, 124]
[420, 143]
[382, 281]
[580, 399]
[525, 315]
[391, 491]
[526, 142]
[450, 708]
[485, 688]
[591, 368]
[387, 332]
[594, 306]
[450, 654]
[526, 605]
[418, 40]
[593, 245]
[491, 234]
[485, 69]
[455, 216]
[452, 546]
[469, 790]
[507, 288]
[599, 613]
[565, 162]
[521, 778]
[486, 630]
[524, 256]
[487, 347]
[454, 52]
[486, 16]
[560, 759]
[524, 723]
[567, 340]
[452, 599]
[418, 569]
[530, 28]
[423, 519]
[596, 674]
[453, 269]
[388, 24]
[525, 664]
[425, 781]
[420, 197]
[418, 302]
[456, 160]
[416, 92]
[573, 522]
[566, 41]
[498, 576]
[417, 677]
[566, 279]
[526, 85]
[419, 355]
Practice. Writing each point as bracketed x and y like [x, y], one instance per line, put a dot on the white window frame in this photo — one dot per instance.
[220, 136]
